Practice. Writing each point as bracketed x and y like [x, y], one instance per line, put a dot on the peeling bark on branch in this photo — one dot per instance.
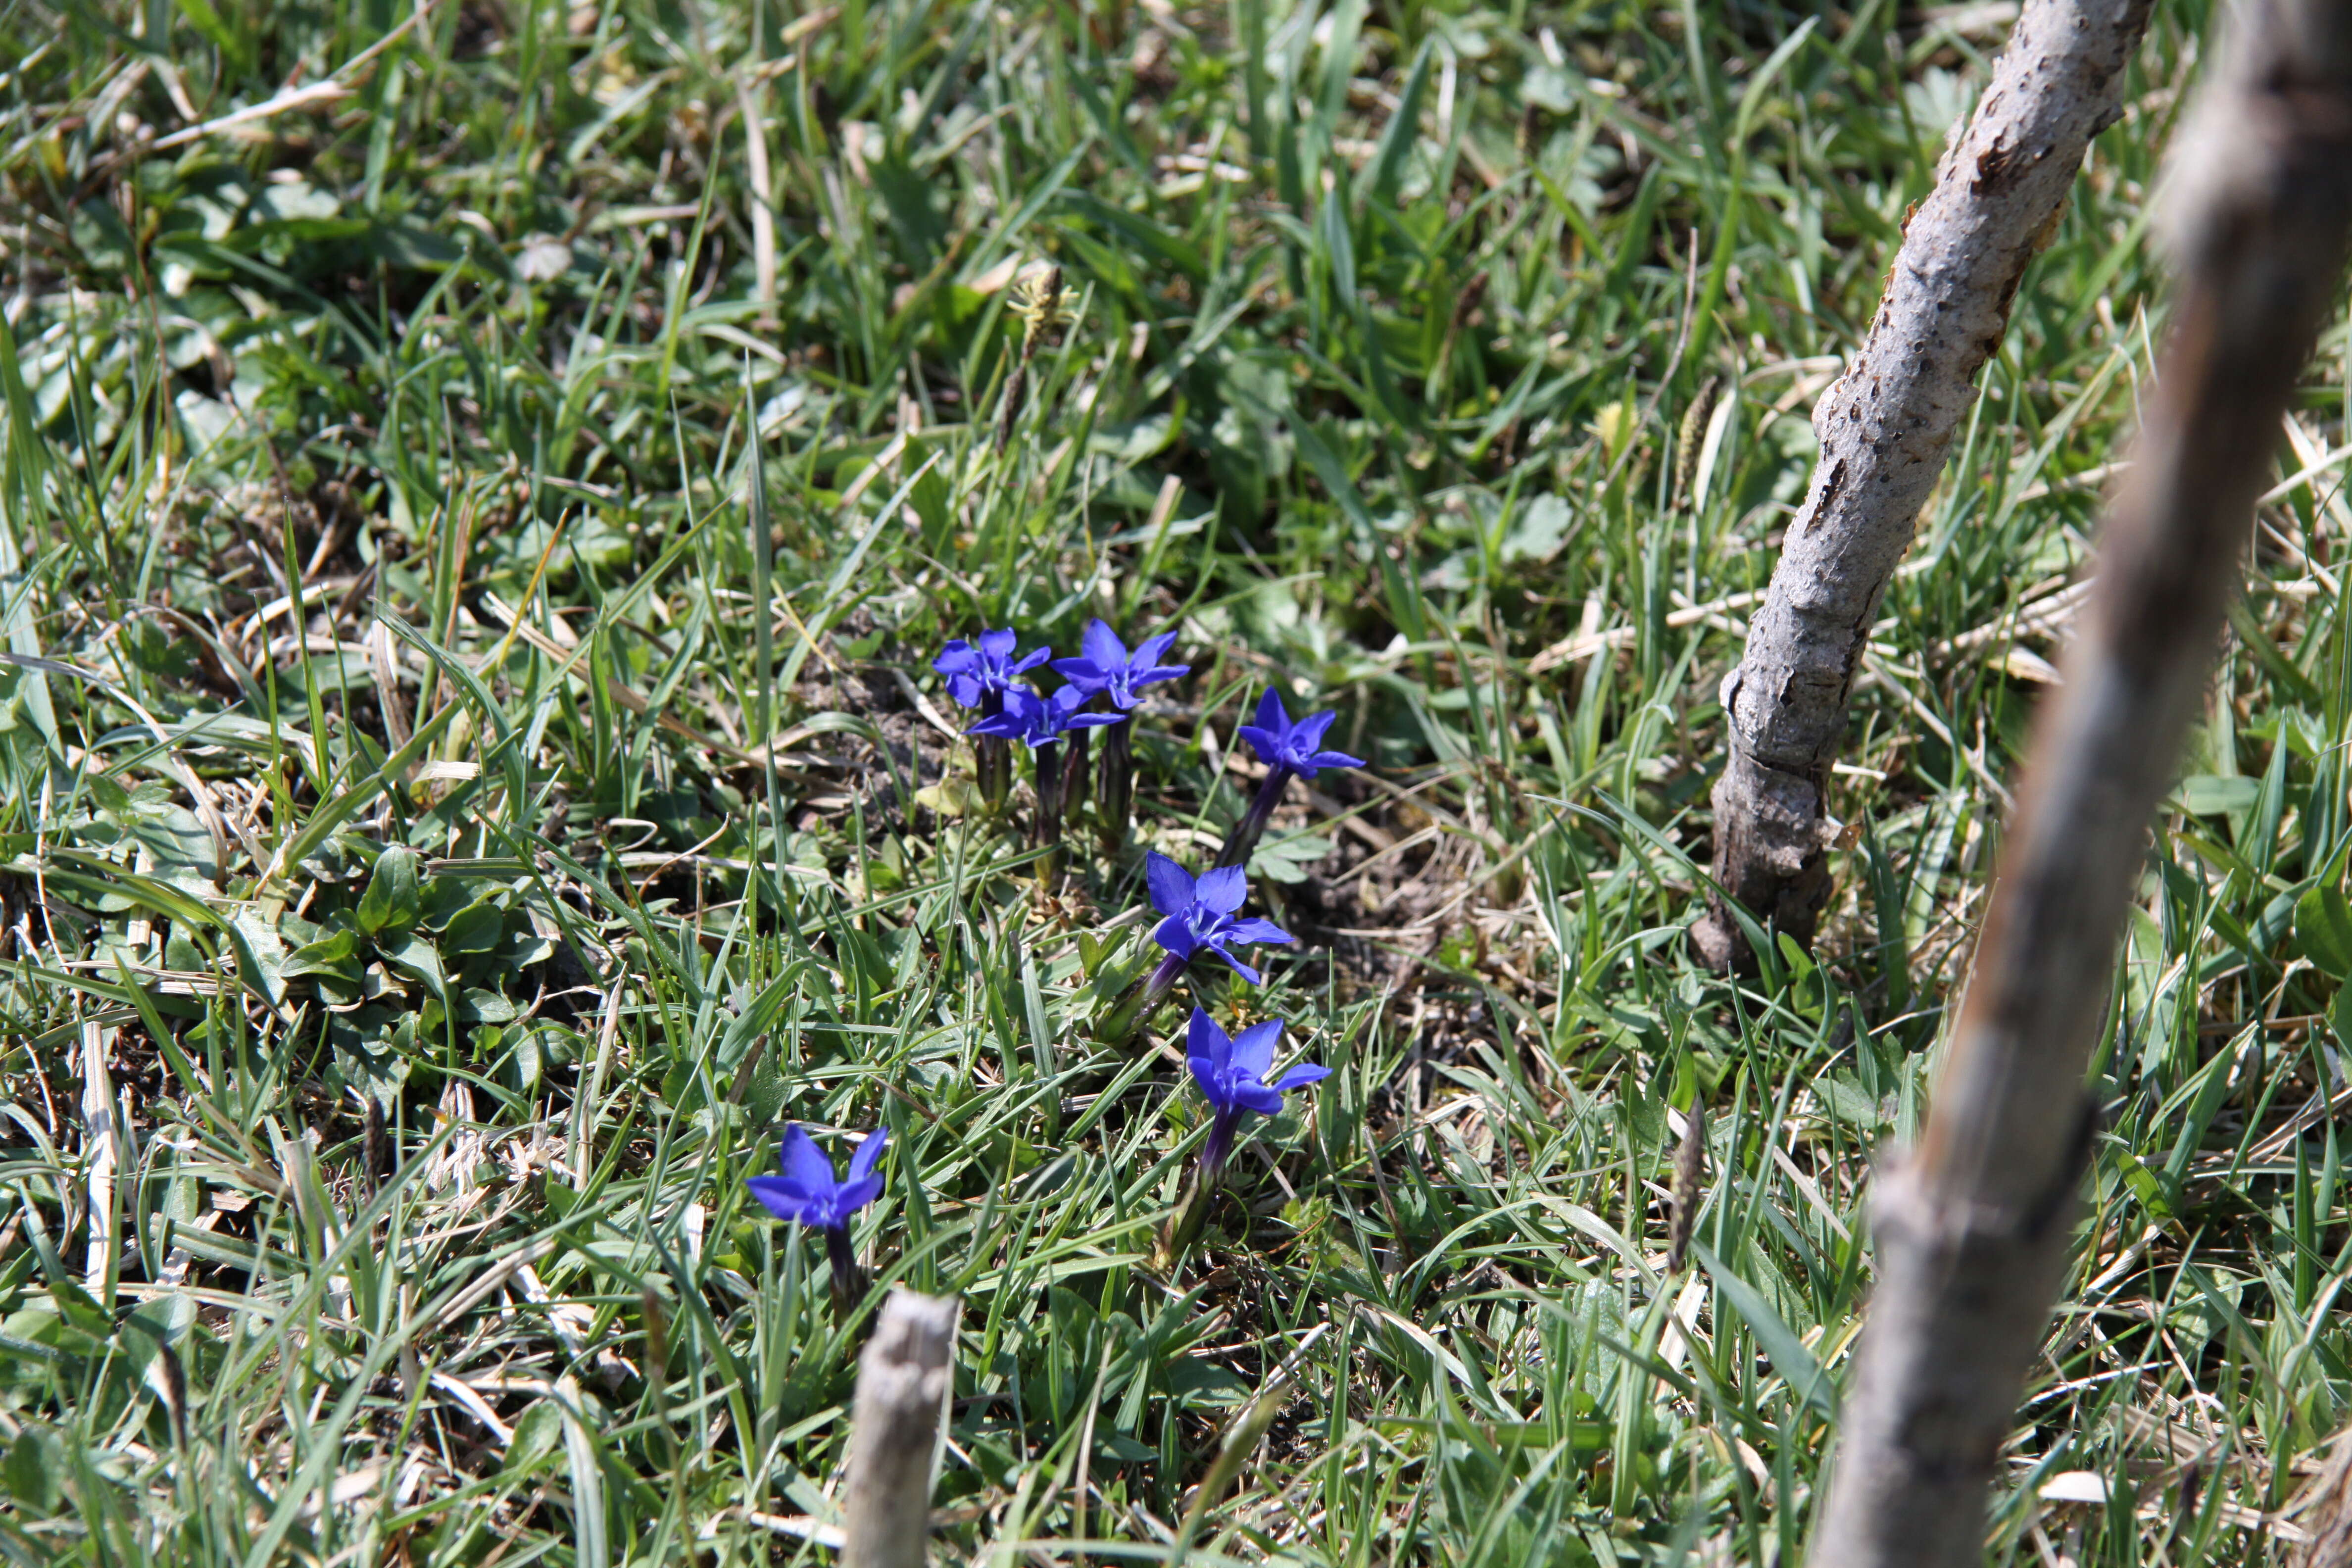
[1972, 1230]
[902, 1381]
[1884, 429]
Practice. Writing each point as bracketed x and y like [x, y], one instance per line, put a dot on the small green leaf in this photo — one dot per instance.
[76, 1307]
[260, 955]
[951, 796]
[2147, 1186]
[1196, 1380]
[1288, 858]
[415, 957]
[2213, 795]
[535, 1433]
[36, 1468]
[474, 928]
[1800, 963]
[391, 901]
[1093, 950]
[1842, 1096]
[336, 953]
[476, 1006]
[1685, 1085]
[2323, 930]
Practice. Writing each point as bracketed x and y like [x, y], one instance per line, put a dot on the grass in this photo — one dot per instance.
[473, 540]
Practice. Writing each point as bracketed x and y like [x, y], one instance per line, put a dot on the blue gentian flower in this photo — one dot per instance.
[1232, 1072]
[808, 1195]
[1201, 915]
[975, 668]
[1106, 667]
[1291, 748]
[1037, 720]
[1288, 751]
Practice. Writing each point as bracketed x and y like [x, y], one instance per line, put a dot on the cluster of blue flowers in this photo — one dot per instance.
[1198, 915]
[1105, 686]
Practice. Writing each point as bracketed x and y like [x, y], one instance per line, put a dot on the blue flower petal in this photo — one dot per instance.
[1254, 1047]
[1101, 645]
[868, 1155]
[1254, 1096]
[1177, 937]
[1222, 890]
[805, 1167]
[854, 1195]
[776, 1195]
[1171, 885]
[1244, 969]
[1205, 1038]
[1309, 731]
[1255, 930]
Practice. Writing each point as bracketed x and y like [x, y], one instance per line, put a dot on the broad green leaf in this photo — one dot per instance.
[415, 956]
[391, 901]
[474, 928]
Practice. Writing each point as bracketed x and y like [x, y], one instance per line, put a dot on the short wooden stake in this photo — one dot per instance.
[902, 1380]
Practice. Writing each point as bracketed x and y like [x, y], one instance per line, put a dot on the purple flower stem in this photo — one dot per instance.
[1222, 1129]
[1183, 1227]
[1115, 787]
[1045, 827]
[992, 757]
[1242, 842]
[1075, 747]
[848, 1279]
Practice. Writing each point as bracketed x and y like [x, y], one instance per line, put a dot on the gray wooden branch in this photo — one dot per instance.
[902, 1381]
[1884, 429]
[1973, 1229]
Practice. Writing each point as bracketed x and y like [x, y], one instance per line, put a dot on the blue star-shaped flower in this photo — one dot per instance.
[1106, 667]
[1037, 720]
[1232, 1075]
[1291, 748]
[1231, 1071]
[1200, 913]
[807, 1195]
[976, 668]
